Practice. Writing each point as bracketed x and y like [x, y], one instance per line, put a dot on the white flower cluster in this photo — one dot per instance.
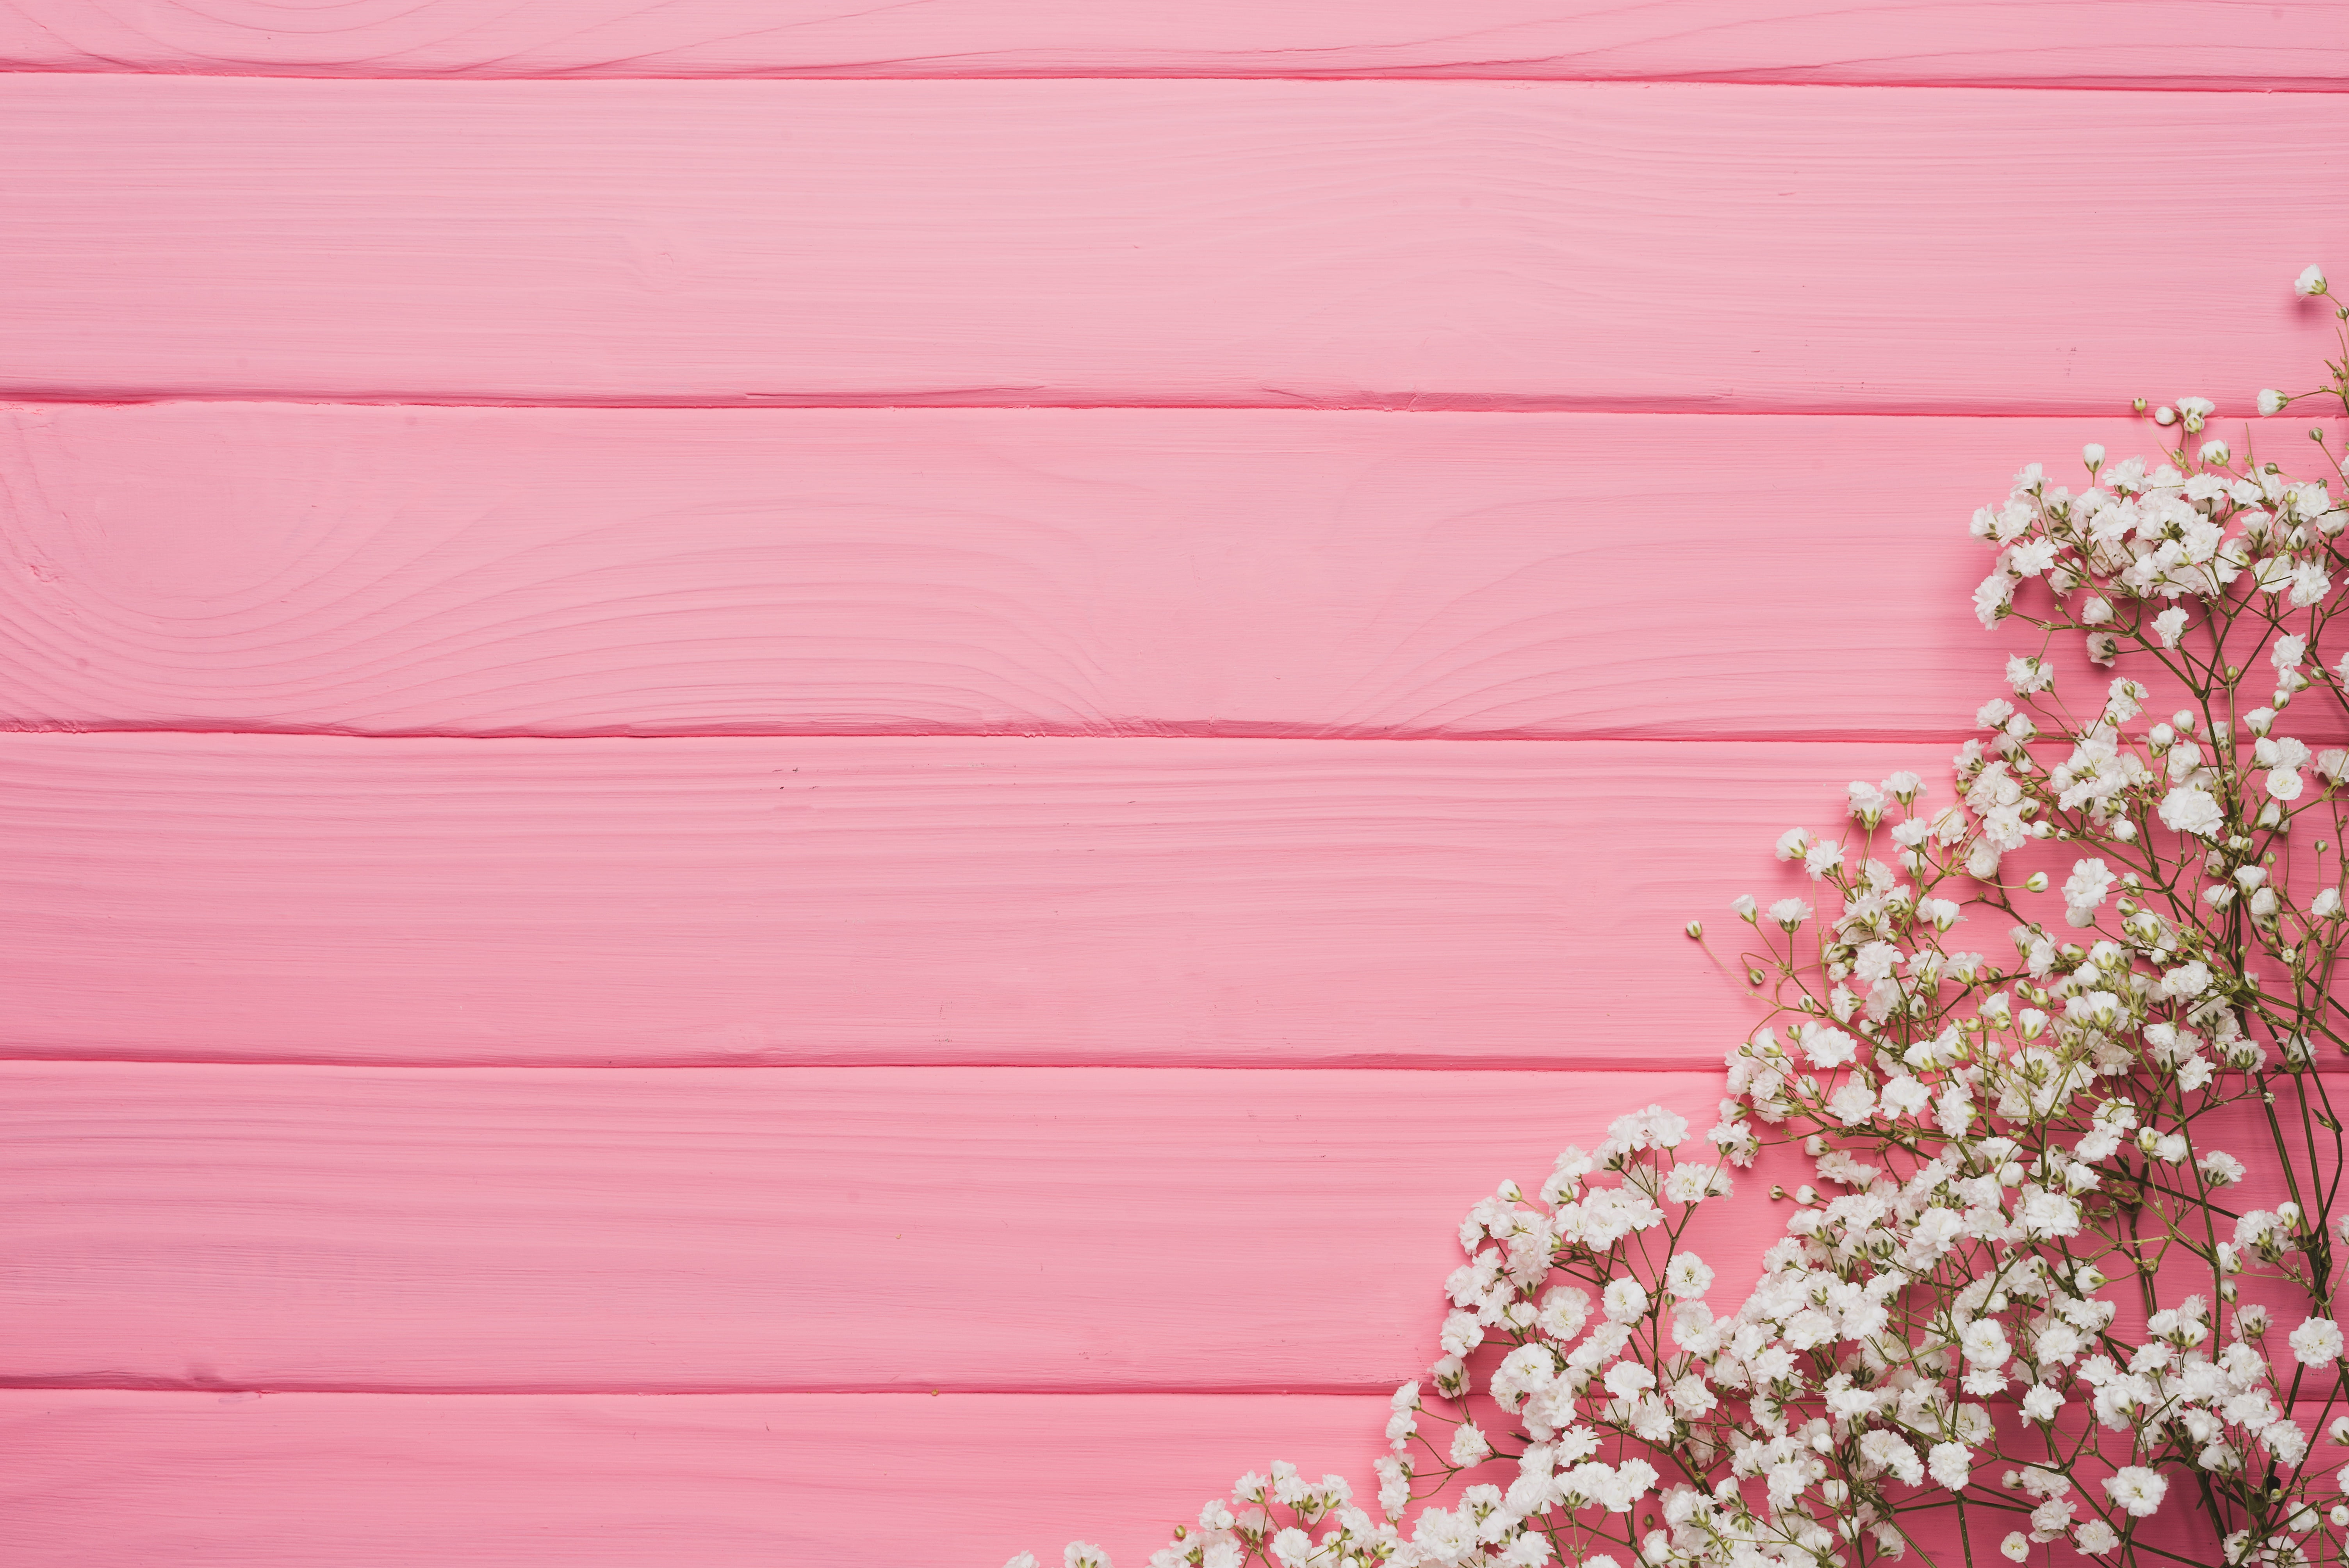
[2023, 1299]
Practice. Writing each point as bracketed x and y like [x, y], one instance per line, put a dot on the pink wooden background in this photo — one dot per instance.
[794, 782]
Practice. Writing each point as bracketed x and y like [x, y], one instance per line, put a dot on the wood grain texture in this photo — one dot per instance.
[111, 1480]
[769, 1229]
[105, 1479]
[792, 1229]
[1359, 243]
[826, 899]
[2055, 43]
[1098, 571]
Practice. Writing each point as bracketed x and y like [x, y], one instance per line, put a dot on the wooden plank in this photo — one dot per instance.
[1135, 572]
[1404, 244]
[117, 1480]
[792, 1229]
[110, 1479]
[2051, 43]
[919, 901]
[769, 1229]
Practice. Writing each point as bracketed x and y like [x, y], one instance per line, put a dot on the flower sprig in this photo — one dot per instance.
[2059, 1276]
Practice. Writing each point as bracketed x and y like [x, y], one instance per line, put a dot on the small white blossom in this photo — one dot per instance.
[2095, 1537]
[2136, 1489]
[1469, 1445]
[2189, 808]
[2317, 1341]
[1950, 1465]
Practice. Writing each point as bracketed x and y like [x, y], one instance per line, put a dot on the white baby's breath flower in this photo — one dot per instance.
[1469, 1445]
[2310, 282]
[1993, 598]
[2221, 1168]
[2317, 1341]
[2190, 809]
[1951, 1466]
[2136, 1489]
[1688, 1278]
[1623, 1300]
[1975, 1125]
[2086, 889]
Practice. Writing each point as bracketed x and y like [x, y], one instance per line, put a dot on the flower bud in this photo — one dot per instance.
[2093, 454]
[1696, 928]
[2271, 401]
[2310, 282]
[2036, 881]
[2165, 415]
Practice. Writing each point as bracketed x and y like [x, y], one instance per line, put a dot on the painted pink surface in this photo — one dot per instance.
[1035, 901]
[508, 1230]
[2178, 43]
[891, 1481]
[661, 1253]
[881, 1481]
[761, 1229]
[1404, 244]
[1085, 572]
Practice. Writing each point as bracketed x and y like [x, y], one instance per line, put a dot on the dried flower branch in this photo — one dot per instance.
[2030, 1298]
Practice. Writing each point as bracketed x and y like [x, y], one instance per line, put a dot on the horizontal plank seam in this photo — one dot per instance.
[2017, 414]
[1954, 736]
[1372, 403]
[2320, 85]
[880, 1391]
[917, 1391]
[1564, 1064]
[880, 1064]
[442, 1065]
